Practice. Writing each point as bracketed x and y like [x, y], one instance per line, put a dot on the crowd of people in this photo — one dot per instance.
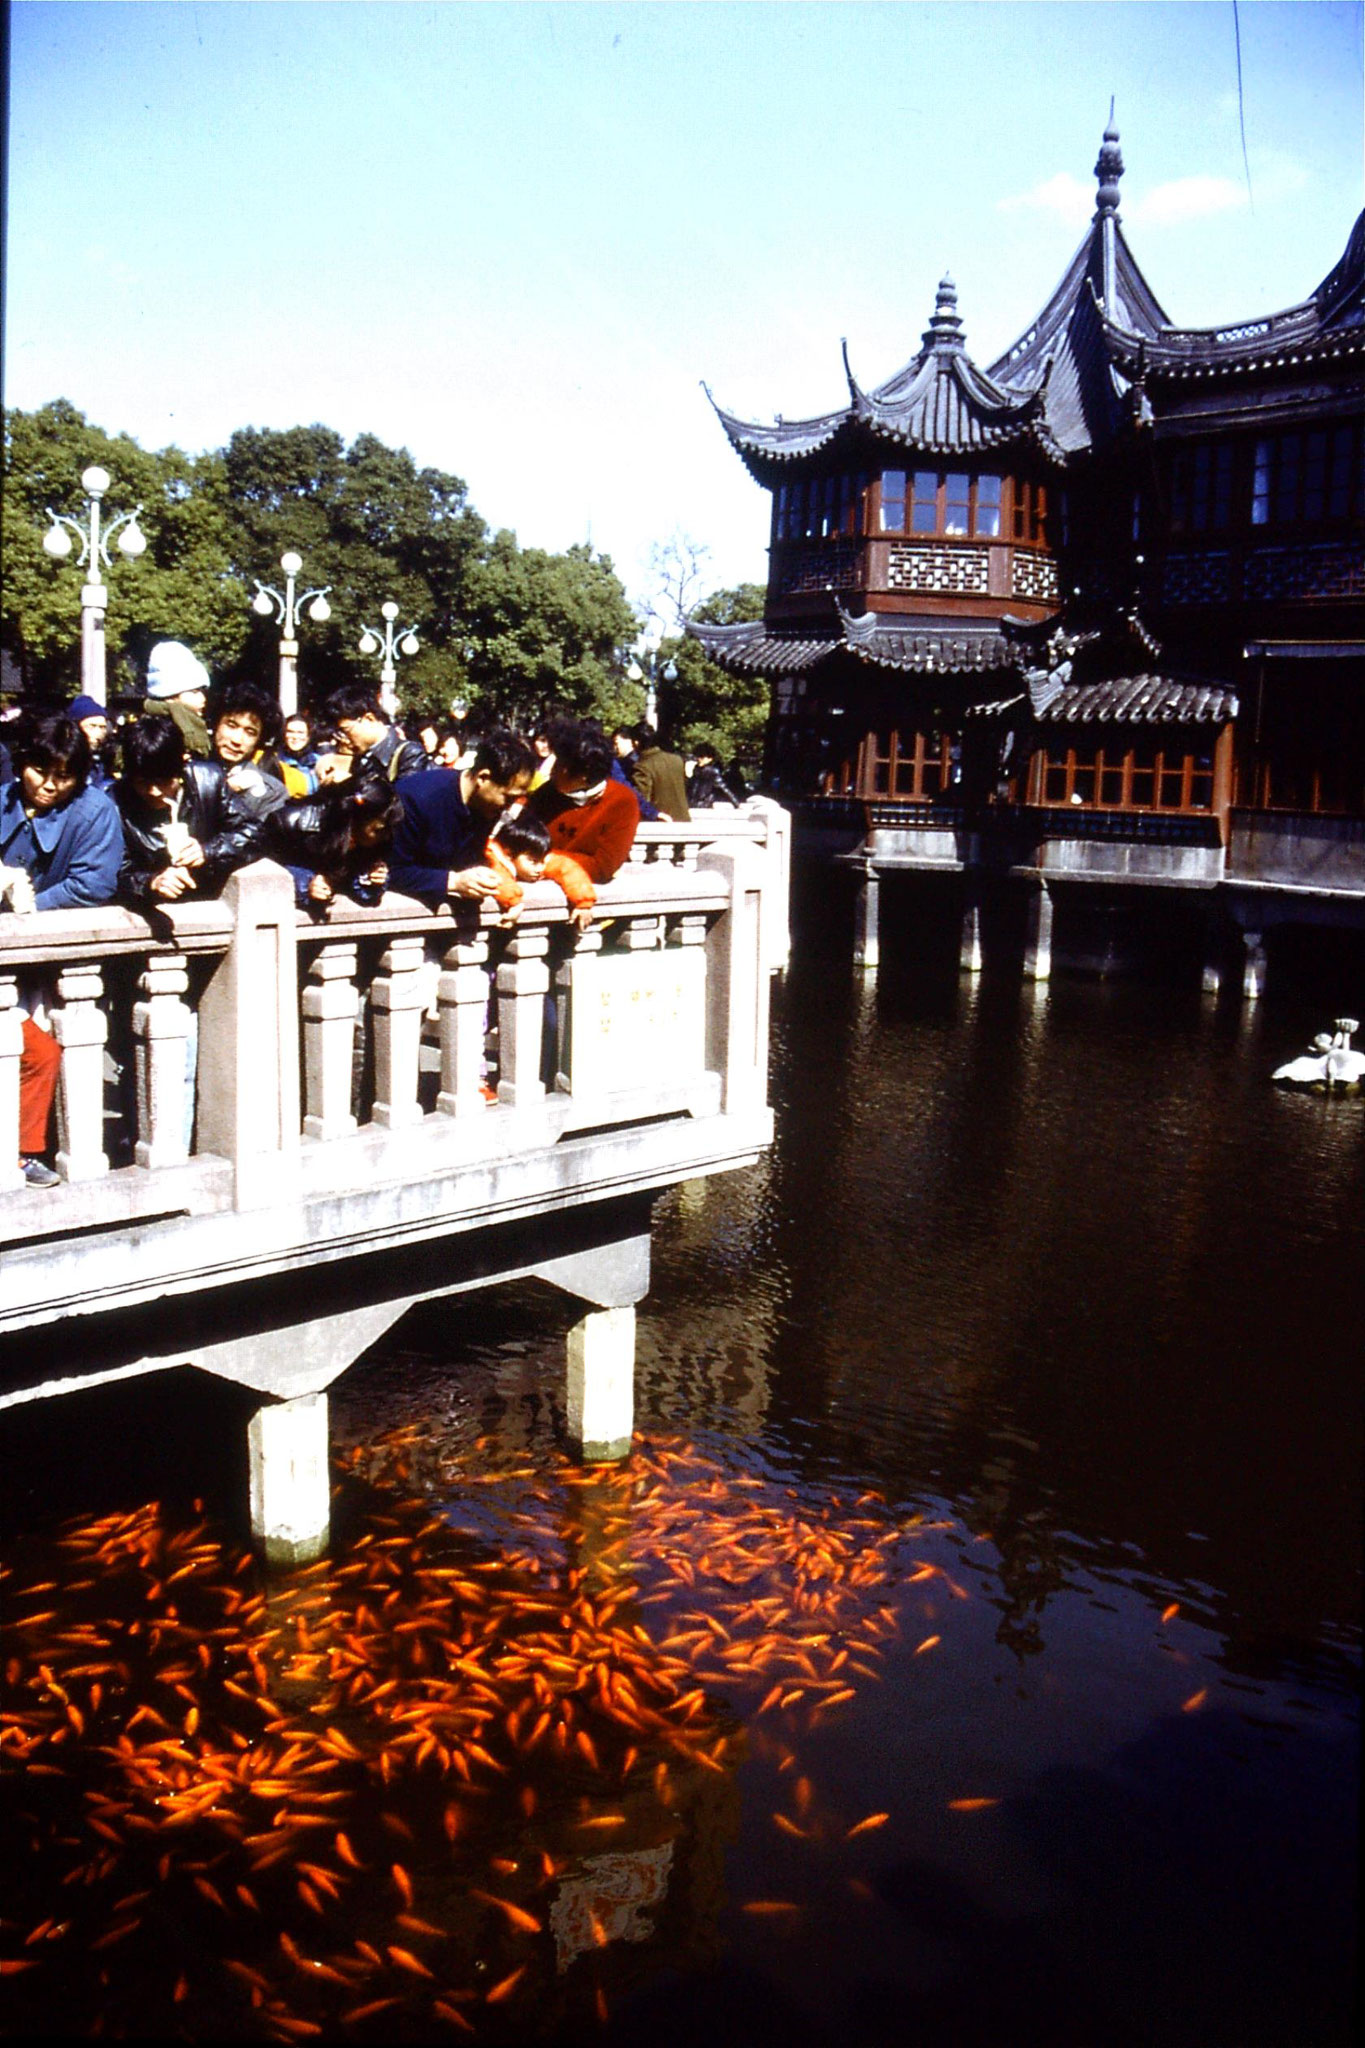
[206, 778]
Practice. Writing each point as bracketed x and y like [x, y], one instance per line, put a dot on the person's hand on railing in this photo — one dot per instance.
[475, 883]
[581, 918]
[172, 883]
[190, 855]
[320, 889]
[378, 877]
[16, 889]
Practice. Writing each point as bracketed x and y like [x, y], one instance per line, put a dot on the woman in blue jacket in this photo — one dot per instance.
[60, 847]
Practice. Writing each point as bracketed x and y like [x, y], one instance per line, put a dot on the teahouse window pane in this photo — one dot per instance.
[924, 518]
[988, 506]
[893, 501]
[956, 502]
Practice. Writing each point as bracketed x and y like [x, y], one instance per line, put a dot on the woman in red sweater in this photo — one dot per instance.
[587, 813]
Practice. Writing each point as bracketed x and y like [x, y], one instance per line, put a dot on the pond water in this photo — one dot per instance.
[969, 1653]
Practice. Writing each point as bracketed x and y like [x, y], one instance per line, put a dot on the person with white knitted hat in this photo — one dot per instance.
[178, 682]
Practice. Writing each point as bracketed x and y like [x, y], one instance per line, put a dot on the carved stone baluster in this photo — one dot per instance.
[331, 1002]
[462, 994]
[523, 983]
[586, 945]
[398, 996]
[11, 1047]
[162, 1027]
[81, 1028]
[641, 935]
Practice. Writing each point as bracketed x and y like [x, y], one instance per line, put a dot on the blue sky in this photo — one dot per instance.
[515, 238]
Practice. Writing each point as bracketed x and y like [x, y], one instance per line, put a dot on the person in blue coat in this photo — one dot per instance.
[63, 833]
[438, 846]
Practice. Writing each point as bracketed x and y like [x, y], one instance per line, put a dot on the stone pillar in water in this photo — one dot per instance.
[969, 955]
[1038, 946]
[601, 1385]
[867, 920]
[1253, 969]
[290, 1481]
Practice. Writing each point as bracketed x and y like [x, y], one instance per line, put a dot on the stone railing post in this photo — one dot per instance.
[586, 946]
[331, 1002]
[11, 1049]
[397, 995]
[81, 1028]
[463, 993]
[249, 1040]
[162, 1024]
[523, 983]
[737, 979]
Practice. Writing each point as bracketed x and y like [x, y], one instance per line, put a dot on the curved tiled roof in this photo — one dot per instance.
[913, 645]
[1141, 700]
[939, 404]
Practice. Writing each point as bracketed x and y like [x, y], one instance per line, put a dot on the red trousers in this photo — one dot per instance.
[39, 1065]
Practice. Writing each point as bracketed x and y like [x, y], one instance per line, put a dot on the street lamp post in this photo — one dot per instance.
[651, 675]
[288, 610]
[390, 644]
[94, 555]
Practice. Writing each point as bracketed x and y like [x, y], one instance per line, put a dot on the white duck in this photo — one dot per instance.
[1334, 1063]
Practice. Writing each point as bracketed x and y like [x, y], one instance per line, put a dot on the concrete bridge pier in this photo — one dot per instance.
[867, 920]
[600, 1388]
[969, 958]
[1038, 942]
[1253, 966]
[290, 1479]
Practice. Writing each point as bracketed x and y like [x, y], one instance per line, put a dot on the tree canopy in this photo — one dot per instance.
[516, 631]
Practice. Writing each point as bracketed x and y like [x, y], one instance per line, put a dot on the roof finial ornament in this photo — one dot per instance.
[1109, 168]
[945, 328]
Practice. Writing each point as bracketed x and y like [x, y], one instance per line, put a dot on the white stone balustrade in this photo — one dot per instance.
[81, 1029]
[163, 1024]
[462, 994]
[398, 996]
[11, 1051]
[331, 1005]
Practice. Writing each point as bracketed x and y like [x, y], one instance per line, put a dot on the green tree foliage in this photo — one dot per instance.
[517, 631]
[706, 702]
[185, 584]
[545, 631]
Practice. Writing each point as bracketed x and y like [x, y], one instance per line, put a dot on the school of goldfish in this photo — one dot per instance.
[344, 1801]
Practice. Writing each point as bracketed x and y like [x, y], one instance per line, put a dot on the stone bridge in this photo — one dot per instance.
[312, 1144]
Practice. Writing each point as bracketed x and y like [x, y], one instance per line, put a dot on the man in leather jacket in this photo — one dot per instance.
[377, 747]
[184, 828]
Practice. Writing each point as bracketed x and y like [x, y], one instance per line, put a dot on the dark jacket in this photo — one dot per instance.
[71, 853]
[229, 832]
[437, 835]
[296, 837]
[661, 779]
[707, 787]
[393, 757]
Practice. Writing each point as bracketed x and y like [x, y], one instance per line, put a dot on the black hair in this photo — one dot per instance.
[227, 698]
[50, 740]
[352, 700]
[585, 750]
[623, 732]
[153, 749]
[523, 832]
[503, 756]
[705, 750]
[644, 735]
[344, 807]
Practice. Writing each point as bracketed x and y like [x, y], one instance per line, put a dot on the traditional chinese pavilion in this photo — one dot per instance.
[1095, 611]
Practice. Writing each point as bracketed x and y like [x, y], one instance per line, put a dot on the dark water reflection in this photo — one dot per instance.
[1063, 1276]
[1064, 1268]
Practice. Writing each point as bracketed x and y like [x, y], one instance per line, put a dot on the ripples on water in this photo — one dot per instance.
[969, 1653]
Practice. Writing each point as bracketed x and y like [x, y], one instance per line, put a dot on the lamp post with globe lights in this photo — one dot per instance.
[651, 675]
[390, 644]
[94, 556]
[288, 610]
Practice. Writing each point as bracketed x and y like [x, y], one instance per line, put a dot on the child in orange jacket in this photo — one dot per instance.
[519, 852]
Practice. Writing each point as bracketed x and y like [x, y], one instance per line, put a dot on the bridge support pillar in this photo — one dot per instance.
[1038, 945]
[601, 1385]
[1253, 966]
[290, 1482]
[969, 953]
[867, 921]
